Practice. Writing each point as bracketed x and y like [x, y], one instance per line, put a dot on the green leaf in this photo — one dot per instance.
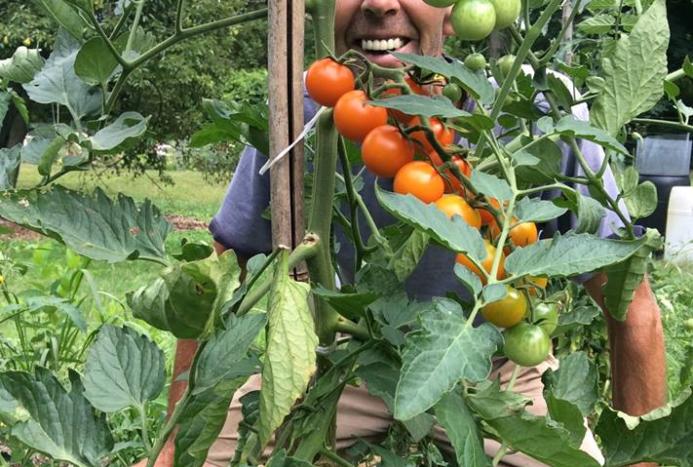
[662, 436]
[537, 210]
[10, 158]
[597, 24]
[643, 201]
[123, 369]
[623, 278]
[59, 304]
[561, 93]
[50, 155]
[85, 5]
[65, 16]
[468, 278]
[549, 166]
[280, 459]
[454, 233]
[22, 66]
[230, 347]
[576, 381]
[128, 127]
[246, 124]
[589, 214]
[350, 305]
[494, 292]
[539, 437]
[577, 316]
[290, 356]
[95, 63]
[57, 82]
[92, 225]
[407, 257]
[627, 180]
[445, 351]
[570, 126]
[634, 72]
[56, 422]
[490, 185]
[453, 415]
[414, 104]
[475, 84]
[569, 255]
[568, 415]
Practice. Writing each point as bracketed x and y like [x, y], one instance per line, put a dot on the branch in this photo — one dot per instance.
[664, 123]
[179, 16]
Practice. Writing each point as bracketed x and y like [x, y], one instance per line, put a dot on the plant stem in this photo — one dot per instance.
[145, 432]
[664, 123]
[334, 457]
[349, 327]
[499, 455]
[353, 206]
[135, 24]
[168, 428]
[179, 16]
[513, 378]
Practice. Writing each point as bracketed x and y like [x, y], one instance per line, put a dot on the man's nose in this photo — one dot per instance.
[380, 8]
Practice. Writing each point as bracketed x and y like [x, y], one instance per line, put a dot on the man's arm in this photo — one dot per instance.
[638, 365]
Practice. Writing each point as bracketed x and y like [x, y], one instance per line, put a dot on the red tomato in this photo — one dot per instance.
[385, 150]
[327, 81]
[354, 118]
[452, 184]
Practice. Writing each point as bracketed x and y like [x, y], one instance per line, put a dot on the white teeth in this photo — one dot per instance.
[381, 44]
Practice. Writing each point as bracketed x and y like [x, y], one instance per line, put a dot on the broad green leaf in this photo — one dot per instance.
[664, 436]
[57, 82]
[37, 142]
[56, 422]
[85, 5]
[494, 292]
[468, 278]
[624, 277]
[569, 255]
[537, 210]
[65, 16]
[407, 257]
[454, 233]
[578, 316]
[128, 127]
[10, 158]
[491, 186]
[576, 381]
[280, 459]
[245, 124]
[571, 126]
[123, 369]
[568, 415]
[95, 63]
[634, 72]
[588, 211]
[462, 430]
[50, 155]
[225, 355]
[350, 305]
[643, 201]
[202, 420]
[290, 356]
[92, 225]
[538, 437]
[597, 24]
[445, 351]
[5, 99]
[475, 84]
[549, 166]
[59, 304]
[414, 104]
[22, 66]
[560, 91]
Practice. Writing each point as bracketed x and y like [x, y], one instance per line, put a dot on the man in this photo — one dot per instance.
[637, 348]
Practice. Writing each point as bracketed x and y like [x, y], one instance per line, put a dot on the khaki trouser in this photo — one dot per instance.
[362, 416]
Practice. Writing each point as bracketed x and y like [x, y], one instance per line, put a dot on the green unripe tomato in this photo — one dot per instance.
[475, 62]
[505, 63]
[453, 91]
[507, 12]
[546, 316]
[526, 344]
[473, 20]
[440, 3]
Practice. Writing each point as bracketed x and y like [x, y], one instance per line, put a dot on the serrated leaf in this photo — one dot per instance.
[549, 166]
[93, 225]
[56, 422]
[407, 257]
[280, 459]
[578, 316]
[663, 436]
[225, 356]
[462, 430]
[494, 292]
[475, 84]
[491, 186]
[537, 210]
[597, 24]
[623, 278]
[569, 255]
[453, 233]
[571, 126]
[127, 127]
[10, 158]
[468, 278]
[22, 66]
[290, 359]
[123, 369]
[568, 415]
[576, 381]
[634, 72]
[445, 351]
[428, 106]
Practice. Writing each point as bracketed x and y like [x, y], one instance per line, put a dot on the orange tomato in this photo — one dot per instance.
[486, 216]
[421, 180]
[385, 150]
[487, 263]
[452, 184]
[327, 81]
[354, 118]
[444, 135]
[456, 205]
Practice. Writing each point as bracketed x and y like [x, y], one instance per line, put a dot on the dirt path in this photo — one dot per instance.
[20, 233]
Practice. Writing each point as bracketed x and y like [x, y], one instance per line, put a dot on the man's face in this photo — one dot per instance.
[378, 27]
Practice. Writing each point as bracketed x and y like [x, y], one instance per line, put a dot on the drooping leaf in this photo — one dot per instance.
[567, 414]
[56, 422]
[123, 369]
[10, 158]
[92, 225]
[445, 351]
[537, 210]
[468, 278]
[95, 63]
[22, 66]
[407, 256]
[290, 359]
[549, 166]
[539, 437]
[462, 430]
[576, 381]
[128, 127]
[57, 82]
[490, 185]
[624, 277]
[588, 211]
[663, 436]
[569, 255]
[634, 72]
[65, 16]
[225, 356]
[453, 233]
[643, 201]
[414, 104]
[350, 305]
[50, 155]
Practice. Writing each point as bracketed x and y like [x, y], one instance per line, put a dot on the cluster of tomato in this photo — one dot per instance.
[474, 20]
[389, 151]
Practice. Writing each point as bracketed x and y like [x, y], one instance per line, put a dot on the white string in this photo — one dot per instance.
[309, 126]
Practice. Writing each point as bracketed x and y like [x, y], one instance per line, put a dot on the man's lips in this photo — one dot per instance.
[378, 51]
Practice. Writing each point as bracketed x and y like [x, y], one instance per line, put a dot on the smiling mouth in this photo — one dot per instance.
[382, 46]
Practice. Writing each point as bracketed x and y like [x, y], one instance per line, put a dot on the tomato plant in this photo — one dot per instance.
[475, 62]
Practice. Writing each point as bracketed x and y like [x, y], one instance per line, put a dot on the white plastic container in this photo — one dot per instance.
[679, 240]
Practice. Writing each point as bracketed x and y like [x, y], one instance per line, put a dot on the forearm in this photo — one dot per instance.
[638, 365]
